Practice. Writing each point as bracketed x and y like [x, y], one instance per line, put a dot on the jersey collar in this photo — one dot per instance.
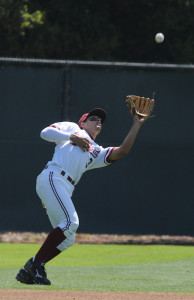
[88, 134]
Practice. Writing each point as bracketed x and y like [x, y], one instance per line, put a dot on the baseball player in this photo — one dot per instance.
[75, 153]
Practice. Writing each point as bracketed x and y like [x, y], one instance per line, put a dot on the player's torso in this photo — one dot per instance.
[73, 159]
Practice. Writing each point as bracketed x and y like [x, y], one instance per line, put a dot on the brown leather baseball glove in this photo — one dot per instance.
[139, 105]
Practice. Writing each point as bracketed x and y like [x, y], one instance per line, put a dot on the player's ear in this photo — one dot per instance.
[82, 125]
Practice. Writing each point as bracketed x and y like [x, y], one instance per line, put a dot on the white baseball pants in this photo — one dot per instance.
[55, 192]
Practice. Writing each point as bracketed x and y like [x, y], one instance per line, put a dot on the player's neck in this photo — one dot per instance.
[93, 135]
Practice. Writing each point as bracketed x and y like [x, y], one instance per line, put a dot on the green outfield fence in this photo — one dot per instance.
[148, 192]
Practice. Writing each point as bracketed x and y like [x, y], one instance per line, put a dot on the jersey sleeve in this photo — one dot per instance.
[68, 127]
[58, 132]
[99, 158]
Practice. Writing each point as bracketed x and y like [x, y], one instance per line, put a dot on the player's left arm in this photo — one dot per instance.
[125, 147]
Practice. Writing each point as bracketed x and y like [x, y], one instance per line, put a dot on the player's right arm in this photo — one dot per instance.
[57, 134]
[53, 133]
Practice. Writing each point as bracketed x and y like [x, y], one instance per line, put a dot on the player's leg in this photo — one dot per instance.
[68, 242]
[54, 193]
[61, 212]
[24, 276]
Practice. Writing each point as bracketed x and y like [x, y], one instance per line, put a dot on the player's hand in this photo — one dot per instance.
[80, 141]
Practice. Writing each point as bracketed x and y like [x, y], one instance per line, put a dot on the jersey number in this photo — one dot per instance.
[89, 162]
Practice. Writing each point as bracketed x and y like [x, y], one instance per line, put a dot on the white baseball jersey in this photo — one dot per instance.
[71, 158]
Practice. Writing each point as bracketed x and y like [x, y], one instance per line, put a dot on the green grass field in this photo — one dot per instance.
[151, 268]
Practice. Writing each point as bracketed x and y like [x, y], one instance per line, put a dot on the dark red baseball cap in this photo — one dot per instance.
[94, 112]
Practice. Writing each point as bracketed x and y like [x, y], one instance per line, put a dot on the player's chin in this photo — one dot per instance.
[99, 127]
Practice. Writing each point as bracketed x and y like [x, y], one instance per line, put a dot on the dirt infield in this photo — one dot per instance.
[79, 295]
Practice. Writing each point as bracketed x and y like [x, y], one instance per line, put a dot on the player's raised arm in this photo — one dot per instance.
[125, 147]
[140, 108]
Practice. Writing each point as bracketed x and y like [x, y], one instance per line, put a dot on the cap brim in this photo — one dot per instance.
[98, 112]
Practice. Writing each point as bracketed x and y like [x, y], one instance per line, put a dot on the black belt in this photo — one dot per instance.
[68, 177]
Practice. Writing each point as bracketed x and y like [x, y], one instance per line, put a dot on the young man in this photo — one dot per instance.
[76, 152]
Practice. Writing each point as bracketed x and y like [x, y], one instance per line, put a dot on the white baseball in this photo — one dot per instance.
[159, 37]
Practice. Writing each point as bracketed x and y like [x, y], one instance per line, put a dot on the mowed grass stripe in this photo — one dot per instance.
[107, 268]
[14, 255]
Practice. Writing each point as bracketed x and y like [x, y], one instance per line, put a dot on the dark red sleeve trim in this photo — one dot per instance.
[54, 126]
[107, 155]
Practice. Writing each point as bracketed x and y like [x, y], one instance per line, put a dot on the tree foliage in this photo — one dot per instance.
[29, 20]
[111, 30]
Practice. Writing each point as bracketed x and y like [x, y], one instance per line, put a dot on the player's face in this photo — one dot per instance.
[93, 125]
